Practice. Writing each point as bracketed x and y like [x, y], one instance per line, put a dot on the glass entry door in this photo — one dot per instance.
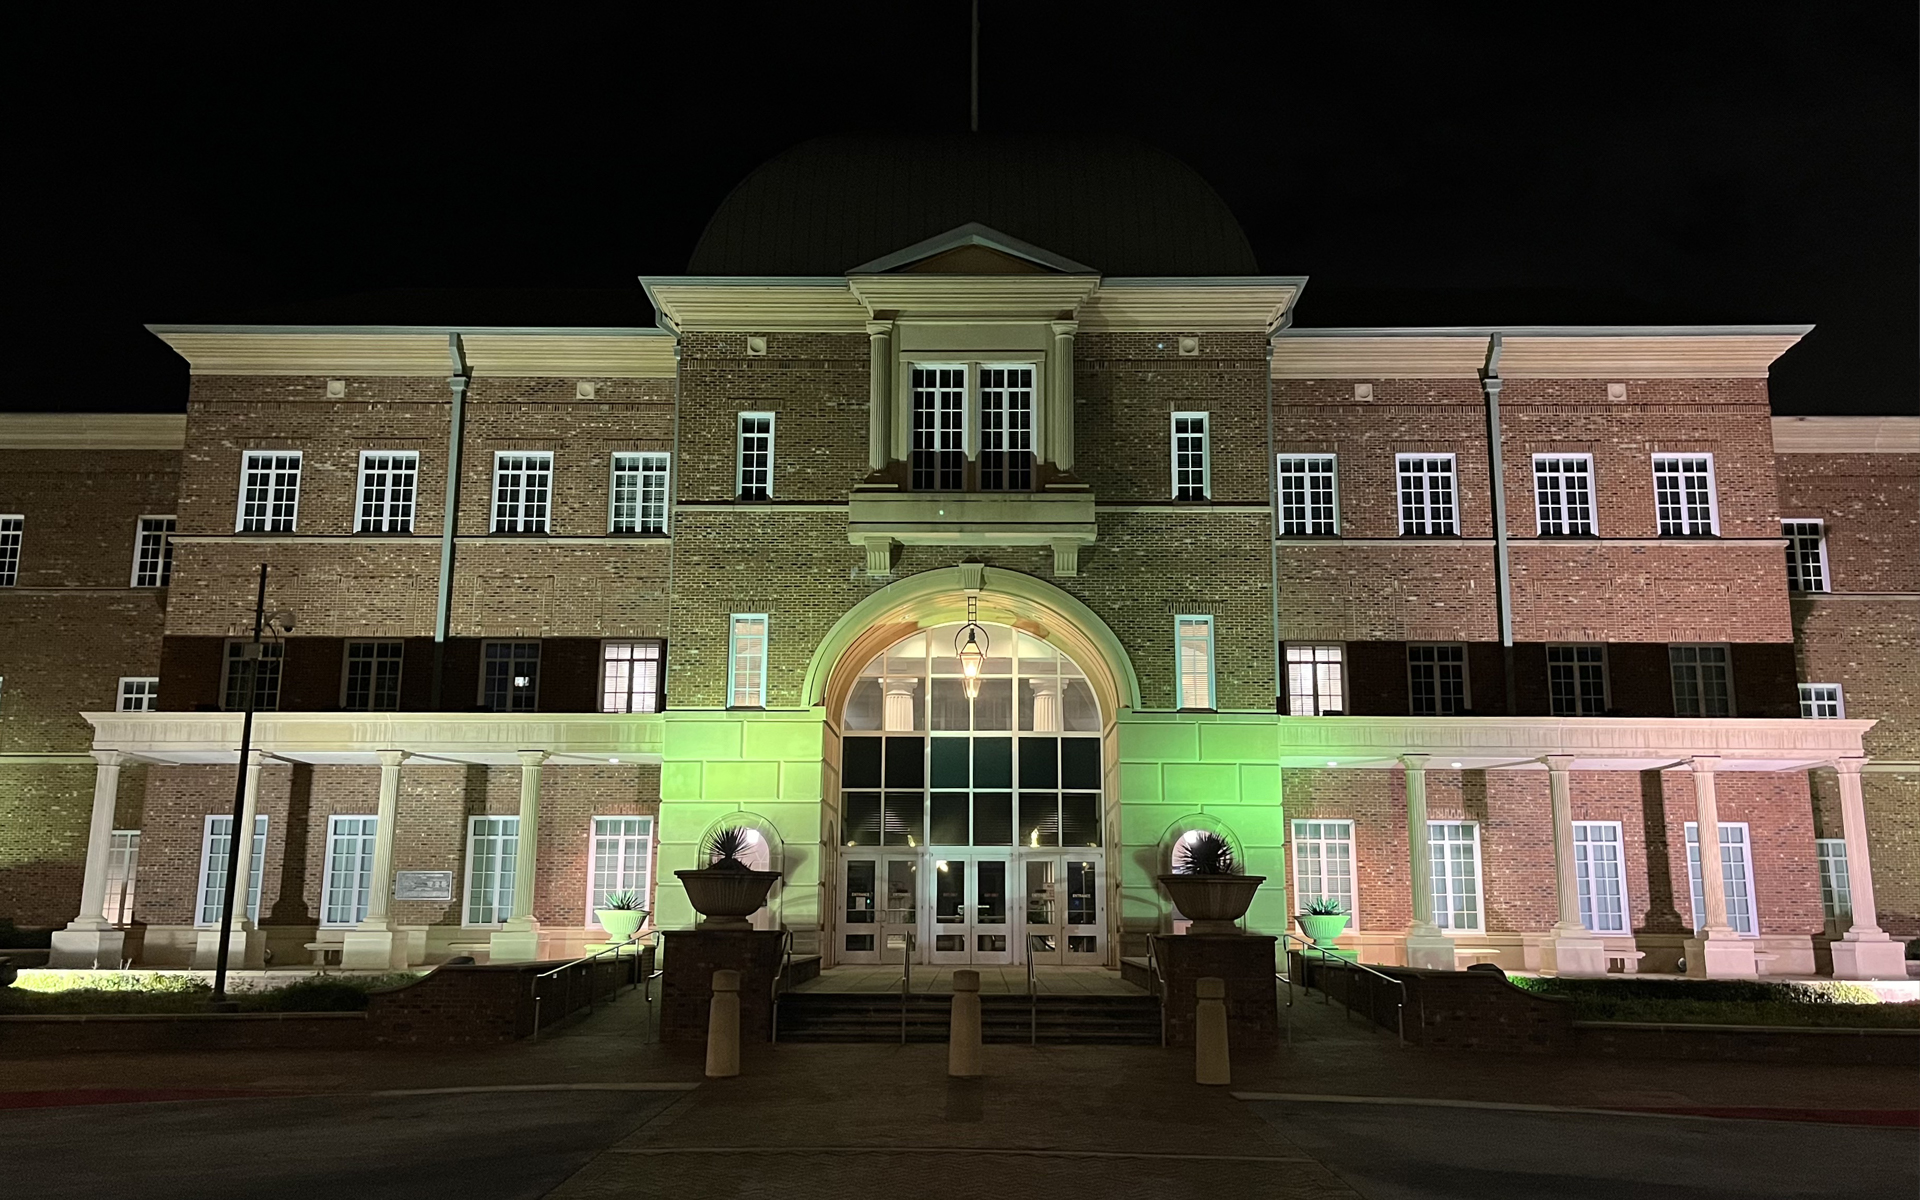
[1064, 918]
[971, 918]
[881, 919]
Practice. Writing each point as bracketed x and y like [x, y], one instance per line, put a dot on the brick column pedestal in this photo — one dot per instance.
[1245, 961]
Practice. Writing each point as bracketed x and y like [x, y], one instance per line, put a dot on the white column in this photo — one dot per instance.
[879, 394]
[1866, 952]
[245, 948]
[1427, 946]
[896, 715]
[371, 944]
[519, 941]
[1575, 950]
[90, 940]
[1059, 422]
[1715, 951]
[1046, 705]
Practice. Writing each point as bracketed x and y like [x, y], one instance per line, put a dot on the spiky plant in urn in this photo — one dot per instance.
[621, 914]
[1208, 885]
[727, 891]
[1324, 920]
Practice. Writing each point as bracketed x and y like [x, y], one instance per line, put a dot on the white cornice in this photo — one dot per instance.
[1846, 435]
[753, 305]
[92, 431]
[345, 351]
[1548, 352]
[1199, 305]
[356, 738]
[916, 297]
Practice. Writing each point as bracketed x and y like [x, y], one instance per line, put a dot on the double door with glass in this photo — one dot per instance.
[959, 906]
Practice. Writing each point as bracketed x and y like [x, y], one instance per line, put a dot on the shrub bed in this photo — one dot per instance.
[47, 993]
[1726, 1002]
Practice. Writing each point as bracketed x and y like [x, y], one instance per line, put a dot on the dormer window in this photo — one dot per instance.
[951, 401]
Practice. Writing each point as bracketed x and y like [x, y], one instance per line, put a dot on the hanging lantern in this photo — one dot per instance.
[969, 645]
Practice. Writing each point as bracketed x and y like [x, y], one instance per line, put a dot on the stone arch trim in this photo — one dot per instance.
[939, 597]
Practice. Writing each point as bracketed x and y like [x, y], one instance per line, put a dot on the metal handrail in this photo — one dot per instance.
[1159, 983]
[780, 976]
[887, 917]
[563, 969]
[1400, 1007]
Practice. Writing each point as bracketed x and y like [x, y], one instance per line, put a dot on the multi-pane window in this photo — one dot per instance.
[1006, 429]
[123, 872]
[1822, 701]
[1836, 889]
[1193, 637]
[371, 680]
[1683, 494]
[1453, 849]
[1426, 494]
[754, 469]
[639, 494]
[139, 693]
[347, 883]
[1577, 680]
[266, 676]
[747, 661]
[939, 454]
[153, 552]
[269, 491]
[631, 678]
[522, 490]
[1323, 863]
[1436, 679]
[622, 860]
[215, 845]
[1563, 494]
[1309, 496]
[1192, 457]
[1806, 555]
[1736, 877]
[510, 676]
[1315, 682]
[12, 530]
[1601, 875]
[389, 481]
[1702, 681]
[493, 845]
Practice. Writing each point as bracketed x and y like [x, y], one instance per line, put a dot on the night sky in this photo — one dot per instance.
[1465, 164]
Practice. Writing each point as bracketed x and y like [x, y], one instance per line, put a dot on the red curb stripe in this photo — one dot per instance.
[1905, 1118]
[80, 1096]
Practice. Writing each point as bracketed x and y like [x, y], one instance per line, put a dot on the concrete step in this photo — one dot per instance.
[1055, 1019]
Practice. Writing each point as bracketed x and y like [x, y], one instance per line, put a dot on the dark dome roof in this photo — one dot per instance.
[832, 204]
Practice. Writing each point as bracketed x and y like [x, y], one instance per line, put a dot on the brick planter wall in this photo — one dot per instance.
[1245, 961]
[693, 955]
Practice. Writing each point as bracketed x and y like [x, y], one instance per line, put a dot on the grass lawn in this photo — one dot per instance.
[1726, 1002]
[38, 993]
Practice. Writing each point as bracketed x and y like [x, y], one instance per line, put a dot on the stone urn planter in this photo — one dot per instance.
[620, 923]
[725, 896]
[1212, 902]
[1322, 928]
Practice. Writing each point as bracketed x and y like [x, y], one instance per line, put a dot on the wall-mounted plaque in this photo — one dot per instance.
[423, 885]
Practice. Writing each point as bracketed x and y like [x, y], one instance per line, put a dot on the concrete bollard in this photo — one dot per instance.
[1210, 1065]
[963, 1035]
[723, 1026]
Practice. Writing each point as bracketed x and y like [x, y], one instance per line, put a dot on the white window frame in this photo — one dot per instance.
[1606, 680]
[346, 672]
[162, 574]
[1466, 679]
[1811, 702]
[1733, 703]
[123, 875]
[13, 544]
[1587, 525]
[595, 893]
[1015, 428]
[273, 649]
[1587, 880]
[207, 913]
[1688, 525]
[391, 512]
[1314, 664]
[1206, 452]
[756, 695]
[358, 865]
[519, 521]
[142, 688]
[655, 696]
[267, 521]
[740, 454]
[937, 438]
[1183, 638]
[501, 900]
[1444, 919]
[1797, 557]
[649, 475]
[1304, 837]
[1696, 894]
[1421, 522]
[1836, 881]
[1313, 525]
[539, 670]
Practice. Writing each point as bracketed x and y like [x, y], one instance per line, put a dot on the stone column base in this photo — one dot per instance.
[1865, 958]
[373, 950]
[514, 944]
[246, 950]
[76, 948]
[1577, 954]
[1721, 958]
[1430, 951]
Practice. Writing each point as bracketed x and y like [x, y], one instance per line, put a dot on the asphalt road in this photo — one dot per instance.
[1403, 1152]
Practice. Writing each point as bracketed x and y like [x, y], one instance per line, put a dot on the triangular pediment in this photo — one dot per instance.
[973, 249]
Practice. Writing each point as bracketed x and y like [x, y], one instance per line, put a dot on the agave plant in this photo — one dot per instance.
[625, 900]
[728, 846]
[1325, 906]
[1203, 852]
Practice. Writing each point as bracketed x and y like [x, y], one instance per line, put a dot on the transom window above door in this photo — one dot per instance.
[972, 427]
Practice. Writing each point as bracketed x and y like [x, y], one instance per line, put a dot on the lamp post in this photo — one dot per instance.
[250, 668]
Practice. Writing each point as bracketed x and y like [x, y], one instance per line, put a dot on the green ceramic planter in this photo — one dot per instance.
[1322, 929]
[620, 923]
